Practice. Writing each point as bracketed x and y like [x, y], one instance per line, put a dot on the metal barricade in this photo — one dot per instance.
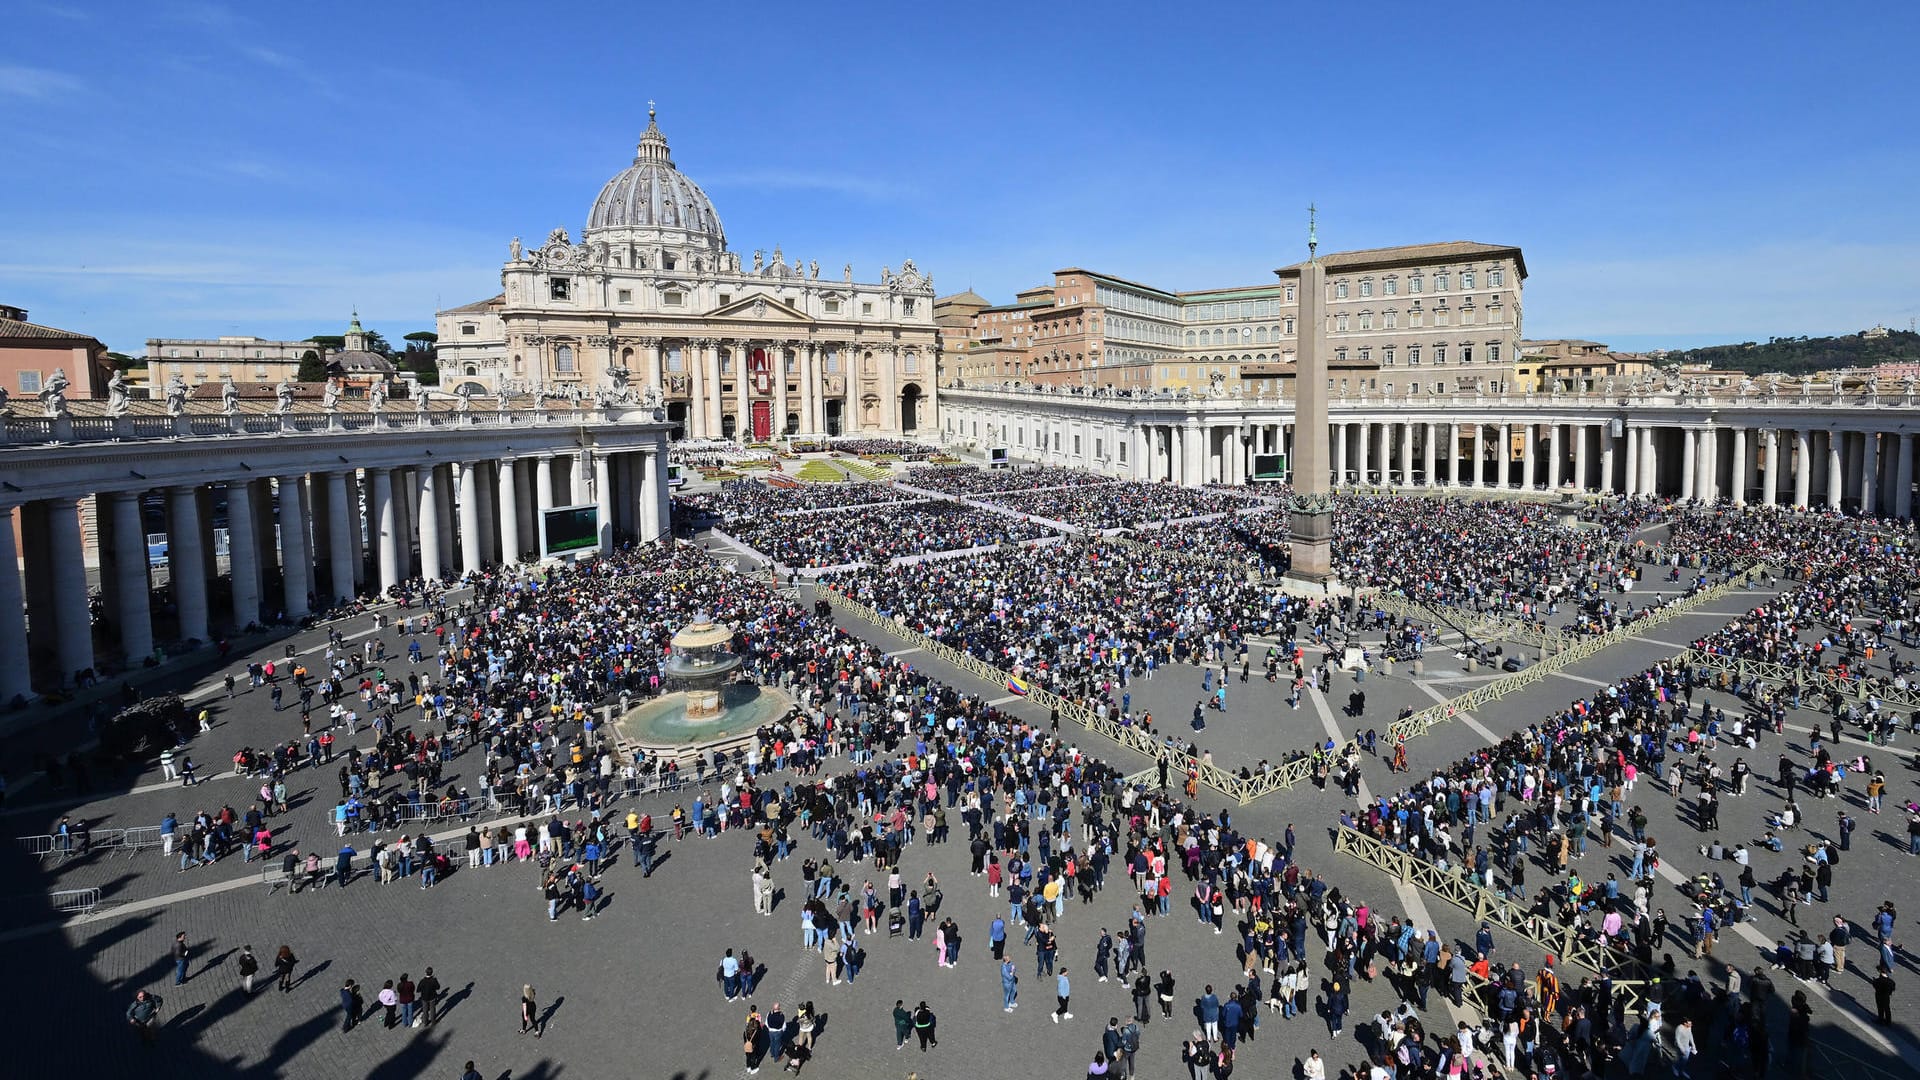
[75, 901]
[134, 840]
[40, 846]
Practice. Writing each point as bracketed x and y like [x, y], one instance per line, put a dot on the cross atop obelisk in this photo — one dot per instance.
[1311, 527]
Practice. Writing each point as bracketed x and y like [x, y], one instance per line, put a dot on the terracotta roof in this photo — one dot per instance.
[1385, 256]
[968, 297]
[15, 329]
[479, 307]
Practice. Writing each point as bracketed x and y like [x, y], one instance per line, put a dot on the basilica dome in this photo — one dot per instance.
[651, 194]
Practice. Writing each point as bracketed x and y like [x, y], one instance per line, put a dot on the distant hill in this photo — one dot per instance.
[1798, 355]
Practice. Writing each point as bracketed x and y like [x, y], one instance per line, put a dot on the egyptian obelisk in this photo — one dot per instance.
[1310, 538]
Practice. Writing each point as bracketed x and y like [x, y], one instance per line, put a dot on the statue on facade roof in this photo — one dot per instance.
[813, 269]
[6, 408]
[618, 389]
[377, 394]
[422, 399]
[330, 394]
[119, 399]
[54, 393]
[513, 250]
[1873, 388]
[283, 395]
[847, 272]
[463, 399]
[759, 261]
[501, 397]
[176, 395]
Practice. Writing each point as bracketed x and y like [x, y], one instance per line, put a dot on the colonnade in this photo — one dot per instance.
[296, 537]
[828, 377]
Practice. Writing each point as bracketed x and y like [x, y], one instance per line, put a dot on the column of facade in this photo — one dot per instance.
[1503, 458]
[1529, 436]
[430, 553]
[472, 556]
[780, 389]
[1869, 473]
[266, 547]
[603, 500]
[1555, 457]
[134, 594]
[356, 530]
[16, 672]
[890, 390]
[1836, 471]
[339, 524]
[650, 520]
[1802, 467]
[715, 401]
[1689, 461]
[542, 465]
[318, 511]
[186, 562]
[1633, 460]
[507, 505]
[1339, 454]
[743, 388]
[294, 566]
[385, 519]
[1606, 458]
[661, 495]
[1649, 463]
[73, 615]
[1769, 466]
[1406, 453]
[656, 368]
[243, 554]
[1903, 478]
[1737, 475]
[1360, 453]
[1430, 477]
[1582, 435]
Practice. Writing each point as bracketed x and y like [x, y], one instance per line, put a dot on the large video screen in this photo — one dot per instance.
[569, 528]
[1269, 467]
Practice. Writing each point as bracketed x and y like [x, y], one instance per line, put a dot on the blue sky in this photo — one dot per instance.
[1677, 173]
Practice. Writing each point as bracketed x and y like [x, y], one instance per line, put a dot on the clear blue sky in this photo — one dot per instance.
[1677, 173]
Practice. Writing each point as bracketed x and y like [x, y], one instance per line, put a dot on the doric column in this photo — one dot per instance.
[1451, 449]
[355, 517]
[1606, 458]
[1633, 460]
[294, 566]
[341, 518]
[1556, 457]
[386, 529]
[509, 509]
[1503, 458]
[1477, 474]
[1427, 458]
[1580, 439]
[1802, 467]
[1530, 435]
[73, 617]
[543, 482]
[1836, 474]
[430, 554]
[890, 390]
[243, 554]
[661, 495]
[134, 591]
[1339, 454]
[649, 504]
[16, 674]
[693, 357]
[1689, 461]
[1362, 446]
[186, 561]
[716, 387]
[1738, 480]
[1903, 478]
[603, 499]
[1649, 462]
[472, 550]
[1406, 454]
[1870, 474]
[1769, 466]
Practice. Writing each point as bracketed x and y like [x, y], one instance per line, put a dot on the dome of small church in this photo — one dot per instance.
[652, 194]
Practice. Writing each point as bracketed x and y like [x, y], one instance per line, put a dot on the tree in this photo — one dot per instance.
[126, 363]
[329, 341]
[377, 343]
[312, 368]
[426, 338]
[419, 357]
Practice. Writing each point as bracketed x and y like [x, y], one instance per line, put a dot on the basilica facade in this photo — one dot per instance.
[650, 298]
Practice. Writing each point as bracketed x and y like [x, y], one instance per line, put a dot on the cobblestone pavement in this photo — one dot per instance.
[632, 991]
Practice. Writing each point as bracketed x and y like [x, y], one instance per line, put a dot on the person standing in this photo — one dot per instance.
[1684, 1048]
[923, 1026]
[352, 1004]
[283, 965]
[1336, 1008]
[249, 966]
[1009, 986]
[1883, 996]
[389, 999]
[144, 1014]
[902, 1024]
[1064, 991]
[529, 1012]
[471, 1072]
[428, 991]
[180, 954]
[407, 994]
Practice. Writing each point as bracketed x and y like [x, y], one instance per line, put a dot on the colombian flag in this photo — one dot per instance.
[1018, 686]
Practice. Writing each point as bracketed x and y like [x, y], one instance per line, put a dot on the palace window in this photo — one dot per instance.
[1440, 281]
[1366, 287]
[675, 362]
[1413, 388]
[1466, 354]
[1439, 354]
[1340, 355]
[1466, 279]
[1366, 320]
[1389, 355]
[1289, 294]
[29, 382]
[1366, 352]
[624, 296]
[1393, 320]
[1340, 322]
[1496, 278]
[563, 360]
[1289, 326]
[559, 288]
[1414, 284]
[866, 307]
[1493, 353]
[1393, 286]
[1340, 290]
[673, 299]
[1440, 316]
[833, 307]
[468, 329]
[906, 307]
[1413, 354]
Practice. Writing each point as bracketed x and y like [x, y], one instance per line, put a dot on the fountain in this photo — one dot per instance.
[706, 708]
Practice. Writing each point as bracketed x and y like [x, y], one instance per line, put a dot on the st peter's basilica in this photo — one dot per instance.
[651, 296]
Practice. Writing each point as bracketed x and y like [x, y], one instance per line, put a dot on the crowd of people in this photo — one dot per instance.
[877, 536]
[1120, 505]
[747, 500]
[966, 480]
